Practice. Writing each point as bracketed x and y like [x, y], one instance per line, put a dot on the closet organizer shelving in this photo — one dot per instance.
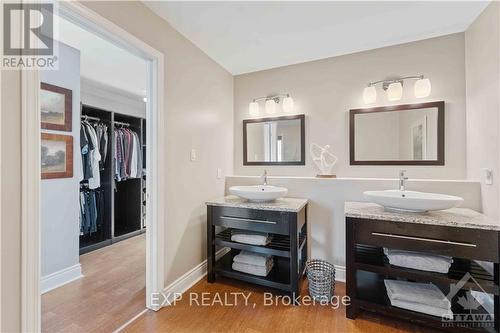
[124, 201]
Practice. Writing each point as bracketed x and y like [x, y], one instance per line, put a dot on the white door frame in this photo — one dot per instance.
[155, 182]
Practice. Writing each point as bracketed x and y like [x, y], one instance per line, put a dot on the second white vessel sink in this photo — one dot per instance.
[411, 201]
[259, 193]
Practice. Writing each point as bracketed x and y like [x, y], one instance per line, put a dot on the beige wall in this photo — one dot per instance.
[482, 54]
[326, 89]
[198, 105]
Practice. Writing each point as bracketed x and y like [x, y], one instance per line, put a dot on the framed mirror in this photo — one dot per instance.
[274, 141]
[411, 134]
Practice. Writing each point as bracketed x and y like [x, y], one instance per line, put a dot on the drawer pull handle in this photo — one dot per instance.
[423, 239]
[247, 220]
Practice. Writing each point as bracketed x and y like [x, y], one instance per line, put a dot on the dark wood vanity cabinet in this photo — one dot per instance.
[367, 267]
[288, 245]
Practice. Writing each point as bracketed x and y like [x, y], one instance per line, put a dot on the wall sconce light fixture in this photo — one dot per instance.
[271, 102]
[394, 88]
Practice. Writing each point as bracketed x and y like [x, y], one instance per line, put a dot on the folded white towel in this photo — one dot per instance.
[430, 310]
[417, 293]
[419, 260]
[252, 269]
[250, 237]
[250, 258]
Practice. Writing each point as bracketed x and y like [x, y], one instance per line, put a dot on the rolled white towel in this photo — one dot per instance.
[250, 258]
[252, 269]
[419, 260]
[417, 293]
[250, 237]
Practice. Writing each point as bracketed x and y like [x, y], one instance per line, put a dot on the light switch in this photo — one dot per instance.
[487, 176]
[193, 155]
[219, 173]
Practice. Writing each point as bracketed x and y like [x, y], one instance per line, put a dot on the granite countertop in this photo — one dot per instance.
[282, 204]
[455, 217]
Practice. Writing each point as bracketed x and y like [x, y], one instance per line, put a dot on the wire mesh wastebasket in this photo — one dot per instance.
[321, 278]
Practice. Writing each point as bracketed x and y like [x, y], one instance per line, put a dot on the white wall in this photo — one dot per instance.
[326, 89]
[59, 198]
[482, 43]
[325, 212]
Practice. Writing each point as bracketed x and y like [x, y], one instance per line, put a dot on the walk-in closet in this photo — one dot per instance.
[114, 210]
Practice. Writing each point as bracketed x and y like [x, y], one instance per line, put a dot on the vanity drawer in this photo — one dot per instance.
[275, 222]
[452, 241]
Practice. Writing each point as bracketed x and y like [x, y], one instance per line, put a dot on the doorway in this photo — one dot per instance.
[153, 194]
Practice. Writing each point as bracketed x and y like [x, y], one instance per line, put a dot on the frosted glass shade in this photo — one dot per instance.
[253, 109]
[270, 106]
[288, 104]
[422, 88]
[370, 95]
[395, 91]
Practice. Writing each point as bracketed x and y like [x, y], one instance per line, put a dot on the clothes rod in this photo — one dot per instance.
[121, 123]
[90, 117]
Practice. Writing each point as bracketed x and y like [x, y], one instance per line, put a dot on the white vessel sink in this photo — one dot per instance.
[259, 193]
[411, 201]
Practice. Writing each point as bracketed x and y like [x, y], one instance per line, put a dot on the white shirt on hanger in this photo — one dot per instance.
[95, 157]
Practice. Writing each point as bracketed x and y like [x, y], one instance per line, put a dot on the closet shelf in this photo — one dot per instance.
[279, 246]
[372, 259]
[275, 278]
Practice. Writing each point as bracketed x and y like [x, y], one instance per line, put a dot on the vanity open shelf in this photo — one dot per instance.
[284, 219]
[373, 298]
[278, 278]
[279, 245]
[372, 259]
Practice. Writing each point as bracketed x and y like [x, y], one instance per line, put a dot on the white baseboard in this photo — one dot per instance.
[339, 273]
[60, 278]
[190, 278]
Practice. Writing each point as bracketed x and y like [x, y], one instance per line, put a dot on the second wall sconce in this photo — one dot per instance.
[394, 88]
[270, 105]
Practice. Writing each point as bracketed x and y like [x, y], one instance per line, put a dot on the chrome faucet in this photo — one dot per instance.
[402, 180]
[264, 178]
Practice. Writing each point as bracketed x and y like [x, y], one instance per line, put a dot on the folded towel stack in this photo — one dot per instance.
[250, 237]
[419, 260]
[420, 297]
[253, 263]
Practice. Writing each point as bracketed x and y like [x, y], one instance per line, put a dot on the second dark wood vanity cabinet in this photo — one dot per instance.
[367, 266]
[285, 219]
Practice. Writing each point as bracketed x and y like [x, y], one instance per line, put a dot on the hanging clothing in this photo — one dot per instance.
[128, 154]
[91, 210]
[93, 148]
[95, 156]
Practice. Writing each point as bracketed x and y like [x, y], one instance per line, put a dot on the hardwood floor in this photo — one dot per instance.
[190, 316]
[111, 292]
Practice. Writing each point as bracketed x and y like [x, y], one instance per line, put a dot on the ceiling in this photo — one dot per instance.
[102, 61]
[251, 36]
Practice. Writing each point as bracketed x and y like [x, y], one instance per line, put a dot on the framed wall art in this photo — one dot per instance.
[56, 156]
[56, 107]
